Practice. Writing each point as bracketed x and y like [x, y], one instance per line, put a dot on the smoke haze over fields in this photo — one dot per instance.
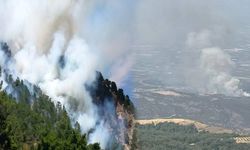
[183, 33]
[192, 61]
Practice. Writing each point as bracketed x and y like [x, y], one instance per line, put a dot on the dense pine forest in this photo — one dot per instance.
[33, 121]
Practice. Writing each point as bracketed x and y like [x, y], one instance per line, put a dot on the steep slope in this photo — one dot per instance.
[32, 121]
[116, 109]
[113, 112]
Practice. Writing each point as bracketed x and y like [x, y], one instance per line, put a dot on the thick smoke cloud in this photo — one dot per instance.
[217, 66]
[58, 45]
[211, 73]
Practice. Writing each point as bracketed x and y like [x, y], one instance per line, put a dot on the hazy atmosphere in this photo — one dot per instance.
[188, 52]
[106, 64]
[177, 41]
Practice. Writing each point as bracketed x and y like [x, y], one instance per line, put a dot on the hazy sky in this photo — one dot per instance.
[194, 43]
[161, 21]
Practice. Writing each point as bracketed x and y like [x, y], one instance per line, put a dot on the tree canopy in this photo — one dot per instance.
[37, 124]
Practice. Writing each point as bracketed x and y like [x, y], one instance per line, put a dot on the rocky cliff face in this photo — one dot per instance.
[116, 109]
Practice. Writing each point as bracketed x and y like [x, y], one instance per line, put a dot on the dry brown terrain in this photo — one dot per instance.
[240, 140]
[200, 126]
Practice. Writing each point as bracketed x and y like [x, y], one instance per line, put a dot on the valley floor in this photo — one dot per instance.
[178, 134]
[200, 126]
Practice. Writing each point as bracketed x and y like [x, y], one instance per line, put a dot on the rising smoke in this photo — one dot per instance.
[58, 45]
[192, 34]
[212, 71]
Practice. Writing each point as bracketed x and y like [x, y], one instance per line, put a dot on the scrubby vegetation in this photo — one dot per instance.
[37, 124]
[171, 136]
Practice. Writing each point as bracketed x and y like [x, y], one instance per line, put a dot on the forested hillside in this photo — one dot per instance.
[35, 122]
[29, 118]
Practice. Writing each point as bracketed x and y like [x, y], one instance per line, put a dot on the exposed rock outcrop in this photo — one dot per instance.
[122, 121]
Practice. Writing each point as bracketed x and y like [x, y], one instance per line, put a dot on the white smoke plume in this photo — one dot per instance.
[59, 44]
[216, 66]
[212, 72]
[101, 134]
